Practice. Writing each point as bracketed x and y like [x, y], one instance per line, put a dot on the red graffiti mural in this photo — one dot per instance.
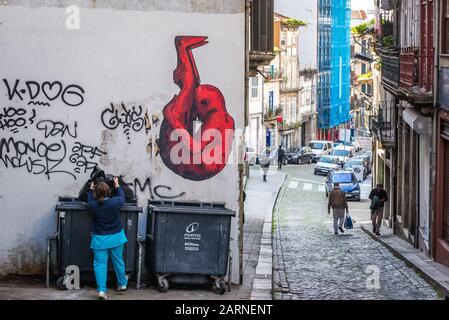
[195, 103]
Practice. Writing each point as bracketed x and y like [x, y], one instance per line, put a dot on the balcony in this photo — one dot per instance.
[390, 69]
[416, 76]
[261, 50]
[286, 87]
[272, 74]
[382, 125]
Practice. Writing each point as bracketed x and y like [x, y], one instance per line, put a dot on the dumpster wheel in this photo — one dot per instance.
[220, 287]
[162, 284]
[60, 283]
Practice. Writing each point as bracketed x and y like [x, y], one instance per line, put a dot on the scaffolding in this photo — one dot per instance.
[334, 48]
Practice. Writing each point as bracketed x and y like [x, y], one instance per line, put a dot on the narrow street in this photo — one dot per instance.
[321, 265]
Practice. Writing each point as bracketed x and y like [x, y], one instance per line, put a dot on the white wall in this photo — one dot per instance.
[118, 56]
[255, 135]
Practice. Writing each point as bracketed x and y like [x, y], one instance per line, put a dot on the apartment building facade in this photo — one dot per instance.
[411, 125]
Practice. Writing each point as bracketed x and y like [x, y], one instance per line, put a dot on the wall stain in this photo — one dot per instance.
[26, 259]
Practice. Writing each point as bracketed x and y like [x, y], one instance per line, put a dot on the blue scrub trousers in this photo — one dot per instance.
[103, 246]
[101, 266]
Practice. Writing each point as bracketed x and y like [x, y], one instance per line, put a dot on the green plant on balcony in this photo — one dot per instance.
[292, 23]
[278, 111]
[388, 41]
[362, 28]
[365, 76]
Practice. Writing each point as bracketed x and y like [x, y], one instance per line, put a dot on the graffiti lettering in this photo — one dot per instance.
[53, 128]
[129, 118]
[82, 156]
[13, 119]
[153, 191]
[159, 195]
[72, 95]
[36, 157]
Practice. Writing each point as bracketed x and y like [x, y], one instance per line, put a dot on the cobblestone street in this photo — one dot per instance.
[313, 263]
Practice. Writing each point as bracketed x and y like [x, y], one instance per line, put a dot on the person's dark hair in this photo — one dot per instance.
[380, 185]
[102, 191]
[336, 184]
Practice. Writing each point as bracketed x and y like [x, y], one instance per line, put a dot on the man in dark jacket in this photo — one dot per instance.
[338, 203]
[281, 155]
[378, 197]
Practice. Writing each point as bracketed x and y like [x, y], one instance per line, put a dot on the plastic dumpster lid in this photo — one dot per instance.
[72, 203]
[186, 207]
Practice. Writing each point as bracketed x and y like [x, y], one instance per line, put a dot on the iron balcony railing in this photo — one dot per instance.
[390, 67]
[383, 125]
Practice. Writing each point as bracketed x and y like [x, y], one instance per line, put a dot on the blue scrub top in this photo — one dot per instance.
[108, 241]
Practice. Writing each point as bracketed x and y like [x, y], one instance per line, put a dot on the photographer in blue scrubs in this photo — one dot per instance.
[108, 235]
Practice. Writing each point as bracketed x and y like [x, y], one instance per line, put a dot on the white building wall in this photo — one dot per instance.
[124, 53]
[255, 137]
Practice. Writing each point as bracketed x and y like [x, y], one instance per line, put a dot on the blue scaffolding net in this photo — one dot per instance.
[334, 49]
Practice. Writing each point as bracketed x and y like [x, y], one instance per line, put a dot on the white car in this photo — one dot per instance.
[357, 167]
[357, 146]
[326, 164]
[321, 148]
[251, 155]
[343, 153]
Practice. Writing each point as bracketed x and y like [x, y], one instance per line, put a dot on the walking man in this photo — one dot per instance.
[378, 197]
[337, 200]
[281, 155]
[265, 164]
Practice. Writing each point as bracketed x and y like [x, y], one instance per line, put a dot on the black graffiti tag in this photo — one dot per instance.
[13, 119]
[82, 156]
[36, 157]
[154, 192]
[128, 118]
[41, 94]
[54, 128]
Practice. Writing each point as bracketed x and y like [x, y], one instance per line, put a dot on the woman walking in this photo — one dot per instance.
[108, 236]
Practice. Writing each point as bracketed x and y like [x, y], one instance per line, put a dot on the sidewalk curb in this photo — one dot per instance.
[263, 279]
[279, 281]
[439, 286]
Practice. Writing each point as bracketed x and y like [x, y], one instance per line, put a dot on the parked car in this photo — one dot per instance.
[300, 155]
[348, 184]
[357, 166]
[347, 145]
[342, 153]
[321, 148]
[366, 161]
[326, 164]
[357, 146]
[251, 155]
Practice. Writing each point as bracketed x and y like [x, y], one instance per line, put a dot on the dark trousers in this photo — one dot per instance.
[280, 162]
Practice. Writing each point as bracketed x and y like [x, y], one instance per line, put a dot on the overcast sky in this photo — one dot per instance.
[361, 4]
[291, 6]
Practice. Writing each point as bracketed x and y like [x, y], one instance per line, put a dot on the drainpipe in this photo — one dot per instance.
[433, 167]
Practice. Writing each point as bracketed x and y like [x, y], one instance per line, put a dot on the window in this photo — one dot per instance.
[254, 87]
[446, 27]
[283, 36]
[363, 68]
[293, 111]
[364, 88]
